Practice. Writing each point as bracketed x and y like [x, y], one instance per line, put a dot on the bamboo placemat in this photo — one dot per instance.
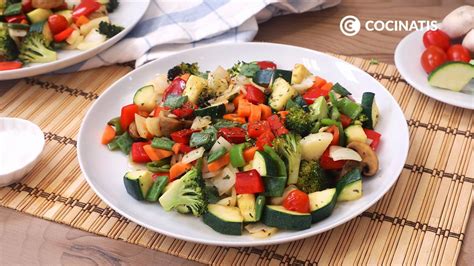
[421, 220]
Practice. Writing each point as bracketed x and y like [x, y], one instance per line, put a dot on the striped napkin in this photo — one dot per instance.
[170, 26]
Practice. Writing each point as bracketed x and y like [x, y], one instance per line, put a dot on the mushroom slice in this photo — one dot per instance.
[369, 158]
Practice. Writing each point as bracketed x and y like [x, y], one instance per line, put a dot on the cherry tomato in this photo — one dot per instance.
[459, 53]
[297, 201]
[436, 38]
[432, 58]
[266, 65]
[57, 23]
[334, 130]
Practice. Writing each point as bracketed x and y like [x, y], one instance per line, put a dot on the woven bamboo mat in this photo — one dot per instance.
[421, 220]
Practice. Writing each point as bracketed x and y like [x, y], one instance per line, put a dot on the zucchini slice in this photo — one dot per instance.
[224, 219]
[350, 186]
[279, 217]
[452, 76]
[145, 98]
[138, 183]
[355, 133]
[370, 109]
[264, 164]
[214, 112]
[339, 89]
[194, 86]
[282, 92]
[263, 77]
[322, 204]
[274, 185]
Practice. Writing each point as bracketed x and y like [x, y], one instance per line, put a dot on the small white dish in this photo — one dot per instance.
[21, 144]
[407, 60]
[104, 170]
[128, 14]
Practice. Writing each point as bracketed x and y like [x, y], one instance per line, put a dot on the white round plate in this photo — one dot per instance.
[104, 170]
[407, 60]
[126, 15]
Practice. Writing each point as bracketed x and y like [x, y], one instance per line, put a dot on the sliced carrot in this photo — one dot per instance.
[176, 148]
[250, 153]
[185, 76]
[318, 82]
[108, 135]
[266, 111]
[327, 87]
[219, 163]
[82, 20]
[178, 169]
[235, 118]
[255, 113]
[237, 100]
[156, 154]
[244, 108]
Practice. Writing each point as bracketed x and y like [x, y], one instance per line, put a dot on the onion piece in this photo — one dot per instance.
[221, 142]
[193, 155]
[211, 174]
[260, 230]
[201, 122]
[338, 153]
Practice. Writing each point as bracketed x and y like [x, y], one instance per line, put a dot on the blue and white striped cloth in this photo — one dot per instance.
[170, 26]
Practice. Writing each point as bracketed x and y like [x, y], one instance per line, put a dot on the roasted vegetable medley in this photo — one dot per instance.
[252, 146]
[32, 31]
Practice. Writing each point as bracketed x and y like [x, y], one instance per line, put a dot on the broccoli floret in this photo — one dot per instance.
[8, 48]
[289, 148]
[183, 68]
[35, 50]
[299, 121]
[112, 5]
[109, 29]
[312, 177]
[186, 192]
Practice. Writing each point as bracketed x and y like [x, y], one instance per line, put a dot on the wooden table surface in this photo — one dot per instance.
[29, 240]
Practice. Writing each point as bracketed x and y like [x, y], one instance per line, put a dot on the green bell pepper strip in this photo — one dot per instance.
[113, 145]
[124, 142]
[335, 114]
[157, 169]
[349, 108]
[157, 188]
[115, 122]
[259, 206]
[237, 155]
[163, 143]
[12, 9]
[276, 158]
[216, 155]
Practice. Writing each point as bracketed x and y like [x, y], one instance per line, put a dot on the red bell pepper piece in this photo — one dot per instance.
[297, 201]
[314, 93]
[183, 148]
[155, 175]
[127, 115]
[257, 128]
[9, 65]
[249, 182]
[345, 120]
[374, 136]
[182, 136]
[234, 135]
[85, 8]
[266, 65]
[334, 130]
[184, 111]
[16, 18]
[276, 125]
[265, 139]
[175, 88]
[138, 153]
[254, 94]
[26, 6]
[328, 163]
[63, 35]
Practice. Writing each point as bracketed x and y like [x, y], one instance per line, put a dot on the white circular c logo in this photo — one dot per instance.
[350, 25]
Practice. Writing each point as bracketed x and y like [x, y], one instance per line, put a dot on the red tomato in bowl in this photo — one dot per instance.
[57, 23]
[436, 38]
[432, 58]
[459, 53]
